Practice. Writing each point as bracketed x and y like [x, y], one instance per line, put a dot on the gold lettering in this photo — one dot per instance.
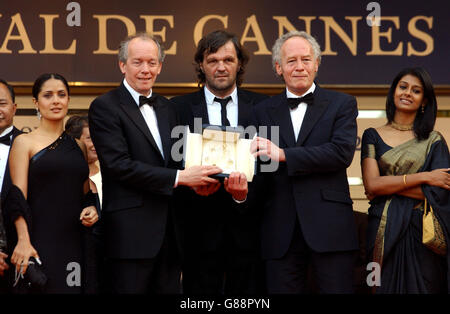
[330, 23]
[258, 38]
[307, 20]
[49, 48]
[149, 26]
[198, 29]
[376, 35]
[285, 24]
[102, 34]
[16, 20]
[426, 38]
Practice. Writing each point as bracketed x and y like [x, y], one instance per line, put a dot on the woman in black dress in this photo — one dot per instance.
[49, 169]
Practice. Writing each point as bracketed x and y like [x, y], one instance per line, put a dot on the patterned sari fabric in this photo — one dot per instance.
[395, 222]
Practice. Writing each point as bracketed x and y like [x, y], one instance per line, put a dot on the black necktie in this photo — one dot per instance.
[294, 102]
[6, 139]
[223, 112]
[147, 101]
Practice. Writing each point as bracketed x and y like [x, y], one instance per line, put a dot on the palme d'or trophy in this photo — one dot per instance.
[217, 147]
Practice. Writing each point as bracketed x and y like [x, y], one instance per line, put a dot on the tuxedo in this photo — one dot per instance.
[137, 183]
[308, 210]
[220, 236]
[6, 229]
[7, 177]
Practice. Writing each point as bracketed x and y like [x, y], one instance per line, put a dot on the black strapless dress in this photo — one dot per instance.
[55, 194]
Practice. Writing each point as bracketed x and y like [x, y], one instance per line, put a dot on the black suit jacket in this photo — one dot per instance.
[212, 221]
[311, 185]
[194, 106]
[4, 230]
[7, 177]
[136, 180]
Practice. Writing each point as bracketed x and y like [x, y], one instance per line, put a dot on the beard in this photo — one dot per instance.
[221, 85]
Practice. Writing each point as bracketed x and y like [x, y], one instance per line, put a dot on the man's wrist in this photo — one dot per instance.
[239, 201]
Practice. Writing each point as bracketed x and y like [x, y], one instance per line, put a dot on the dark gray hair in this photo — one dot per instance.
[10, 89]
[75, 125]
[276, 49]
[123, 48]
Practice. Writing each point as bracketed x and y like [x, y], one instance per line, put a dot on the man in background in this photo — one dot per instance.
[7, 134]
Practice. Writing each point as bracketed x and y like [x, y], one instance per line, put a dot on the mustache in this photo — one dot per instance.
[221, 74]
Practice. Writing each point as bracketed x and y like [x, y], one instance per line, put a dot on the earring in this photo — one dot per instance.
[38, 113]
[423, 108]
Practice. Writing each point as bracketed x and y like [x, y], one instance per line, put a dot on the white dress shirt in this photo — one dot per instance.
[215, 116]
[149, 115]
[298, 114]
[97, 180]
[150, 118]
[214, 108]
[4, 154]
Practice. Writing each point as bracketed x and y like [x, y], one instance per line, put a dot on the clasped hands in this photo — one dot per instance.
[198, 178]
[236, 184]
[89, 216]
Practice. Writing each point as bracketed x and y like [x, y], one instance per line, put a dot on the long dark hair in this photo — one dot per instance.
[210, 44]
[424, 122]
[37, 86]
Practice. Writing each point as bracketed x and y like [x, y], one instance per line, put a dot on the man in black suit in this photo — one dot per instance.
[221, 230]
[308, 216]
[7, 134]
[130, 127]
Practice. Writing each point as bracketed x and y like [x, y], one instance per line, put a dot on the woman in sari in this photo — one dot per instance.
[405, 163]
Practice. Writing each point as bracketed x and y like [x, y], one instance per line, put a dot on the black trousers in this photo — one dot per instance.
[221, 273]
[159, 275]
[5, 285]
[332, 272]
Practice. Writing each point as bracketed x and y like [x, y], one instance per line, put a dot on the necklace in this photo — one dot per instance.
[401, 127]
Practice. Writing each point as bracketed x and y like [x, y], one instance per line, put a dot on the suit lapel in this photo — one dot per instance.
[313, 113]
[7, 177]
[132, 110]
[282, 118]
[244, 108]
[16, 132]
[162, 116]
[198, 107]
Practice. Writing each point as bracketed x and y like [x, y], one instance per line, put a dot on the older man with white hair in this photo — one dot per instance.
[308, 216]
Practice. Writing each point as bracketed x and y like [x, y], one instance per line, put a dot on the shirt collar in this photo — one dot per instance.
[209, 97]
[292, 95]
[134, 93]
[7, 130]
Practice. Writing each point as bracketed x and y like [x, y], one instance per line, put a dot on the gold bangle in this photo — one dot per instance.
[404, 179]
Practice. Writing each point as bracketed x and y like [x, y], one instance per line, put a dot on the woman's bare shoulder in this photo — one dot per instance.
[24, 138]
